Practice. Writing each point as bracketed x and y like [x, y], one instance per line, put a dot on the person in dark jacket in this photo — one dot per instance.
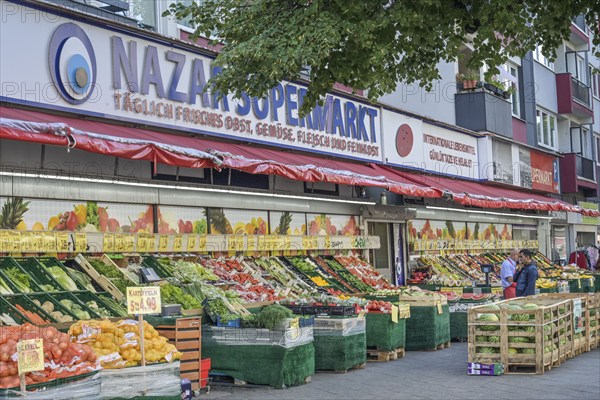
[526, 274]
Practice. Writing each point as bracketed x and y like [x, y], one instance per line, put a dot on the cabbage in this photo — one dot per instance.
[68, 304]
[62, 278]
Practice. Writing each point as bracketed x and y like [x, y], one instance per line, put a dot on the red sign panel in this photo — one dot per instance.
[544, 172]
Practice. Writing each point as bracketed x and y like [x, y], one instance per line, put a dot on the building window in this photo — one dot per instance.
[546, 129]
[187, 22]
[595, 80]
[509, 74]
[598, 151]
[587, 151]
[145, 13]
[539, 57]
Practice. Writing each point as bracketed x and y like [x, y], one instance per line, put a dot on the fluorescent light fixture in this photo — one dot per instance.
[485, 212]
[178, 187]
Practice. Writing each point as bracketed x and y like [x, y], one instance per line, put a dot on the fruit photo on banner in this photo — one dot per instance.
[287, 223]
[83, 216]
[487, 231]
[238, 222]
[181, 220]
[425, 229]
[321, 224]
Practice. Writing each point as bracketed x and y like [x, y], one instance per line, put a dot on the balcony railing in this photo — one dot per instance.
[579, 21]
[584, 167]
[580, 91]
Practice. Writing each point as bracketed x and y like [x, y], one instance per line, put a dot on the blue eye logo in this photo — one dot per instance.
[75, 77]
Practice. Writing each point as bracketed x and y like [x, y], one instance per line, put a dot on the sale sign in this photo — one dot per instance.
[143, 300]
[30, 355]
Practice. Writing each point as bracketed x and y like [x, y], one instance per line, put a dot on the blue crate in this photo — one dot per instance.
[307, 321]
[235, 323]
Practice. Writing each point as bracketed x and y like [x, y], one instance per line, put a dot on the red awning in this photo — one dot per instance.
[469, 193]
[191, 152]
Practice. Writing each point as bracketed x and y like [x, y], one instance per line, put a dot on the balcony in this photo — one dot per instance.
[483, 111]
[579, 33]
[577, 173]
[573, 97]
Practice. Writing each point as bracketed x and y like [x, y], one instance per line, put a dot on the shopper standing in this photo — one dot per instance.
[507, 272]
[526, 274]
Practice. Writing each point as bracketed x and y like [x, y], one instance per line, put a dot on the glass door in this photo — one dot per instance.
[381, 258]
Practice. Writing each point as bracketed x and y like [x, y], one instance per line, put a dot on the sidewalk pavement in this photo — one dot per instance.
[436, 375]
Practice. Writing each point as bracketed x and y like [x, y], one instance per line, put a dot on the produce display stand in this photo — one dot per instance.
[428, 327]
[386, 339]
[156, 381]
[84, 386]
[524, 334]
[340, 343]
[278, 358]
[101, 280]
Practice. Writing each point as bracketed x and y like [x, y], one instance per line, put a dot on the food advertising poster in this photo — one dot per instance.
[487, 231]
[238, 222]
[74, 216]
[321, 224]
[181, 220]
[436, 230]
[287, 223]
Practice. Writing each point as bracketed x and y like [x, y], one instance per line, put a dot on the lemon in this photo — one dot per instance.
[21, 226]
[38, 226]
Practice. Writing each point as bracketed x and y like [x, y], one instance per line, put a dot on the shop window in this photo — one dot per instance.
[232, 177]
[325, 188]
[542, 59]
[559, 244]
[177, 174]
[380, 258]
[546, 129]
[525, 232]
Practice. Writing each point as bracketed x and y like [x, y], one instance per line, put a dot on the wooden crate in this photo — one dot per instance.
[590, 303]
[186, 335]
[101, 280]
[547, 333]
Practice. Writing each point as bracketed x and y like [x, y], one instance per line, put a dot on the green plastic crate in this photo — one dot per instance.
[38, 273]
[27, 304]
[85, 296]
[70, 296]
[7, 308]
[44, 297]
[151, 262]
[52, 262]
[8, 262]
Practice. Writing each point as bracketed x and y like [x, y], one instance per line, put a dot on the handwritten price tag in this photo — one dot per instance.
[143, 300]
[251, 246]
[202, 243]
[163, 243]
[119, 242]
[178, 243]
[62, 242]
[30, 355]
[262, 244]
[192, 243]
[50, 242]
[80, 242]
[129, 243]
[327, 242]
[394, 314]
[309, 243]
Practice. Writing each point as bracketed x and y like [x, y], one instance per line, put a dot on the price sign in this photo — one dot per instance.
[26, 242]
[129, 243]
[394, 314]
[163, 243]
[30, 355]
[3, 241]
[202, 243]
[49, 242]
[439, 308]
[262, 244]
[327, 242]
[497, 290]
[457, 290]
[178, 243]
[192, 243]
[14, 241]
[80, 242]
[142, 245]
[309, 243]
[143, 300]
[287, 245]
[251, 243]
[62, 242]
[294, 328]
[119, 242]
[277, 243]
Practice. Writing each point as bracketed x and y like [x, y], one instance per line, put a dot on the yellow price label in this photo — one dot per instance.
[327, 242]
[108, 243]
[202, 243]
[295, 328]
[178, 243]
[440, 310]
[235, 243]
[80, 242]
[141, 243]
[119, 243]
[62, 242]
[307, 243]
[26, 242]
[394, 314]
[3, 241]
[262, 244]
[128, 243]
[143, 300]
[277, 243]
[192, 243]
[497, 290]
[163, 243]
[50, 242]
[14, 241]
[251, 243]
[30, 355]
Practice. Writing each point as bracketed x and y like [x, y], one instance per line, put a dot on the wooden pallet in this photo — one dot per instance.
[442, 346]
[217, 379]
[377, 355]
[526, 369]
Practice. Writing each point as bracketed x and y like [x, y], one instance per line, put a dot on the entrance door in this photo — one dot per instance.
[382, 259]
